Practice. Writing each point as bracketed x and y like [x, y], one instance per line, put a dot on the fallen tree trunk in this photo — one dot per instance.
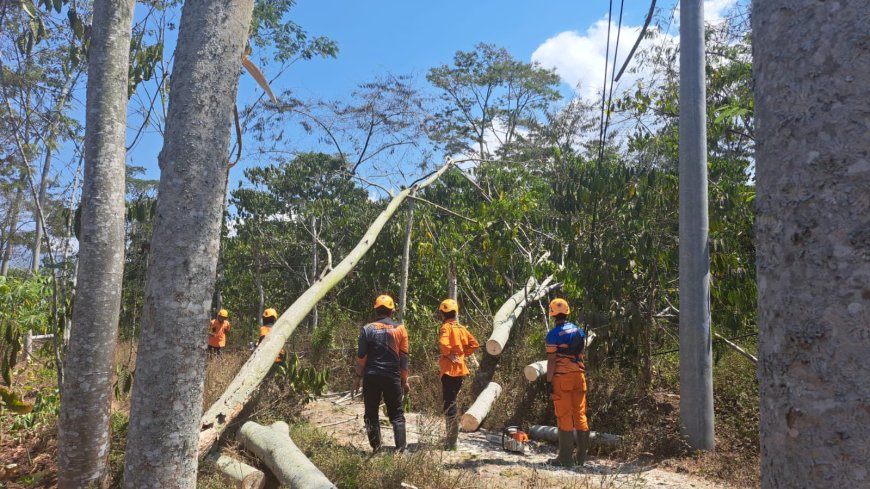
[507, 314]
[272, 445]
[551, 434]
[240, 474]
[240, 390]
[474, 416]
[534, 371]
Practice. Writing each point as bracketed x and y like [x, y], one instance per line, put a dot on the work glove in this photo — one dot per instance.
[355, 387]
[406, 388]
[550, 389]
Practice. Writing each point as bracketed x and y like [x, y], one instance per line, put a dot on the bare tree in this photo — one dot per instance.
[167, 392]
[83, 438]
[811, 62]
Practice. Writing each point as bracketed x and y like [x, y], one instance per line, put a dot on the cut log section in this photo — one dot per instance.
[220, 414]
[272, 445]
[534, 371]
[504, 319]
[551, 434]
[474, 416]
[240, 474]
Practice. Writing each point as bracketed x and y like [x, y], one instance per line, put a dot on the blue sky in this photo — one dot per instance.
[409, 37]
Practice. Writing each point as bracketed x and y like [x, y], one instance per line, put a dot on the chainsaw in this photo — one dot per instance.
[514, 440]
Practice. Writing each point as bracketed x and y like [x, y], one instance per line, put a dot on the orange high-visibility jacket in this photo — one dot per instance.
[455, 340]
[218, 336]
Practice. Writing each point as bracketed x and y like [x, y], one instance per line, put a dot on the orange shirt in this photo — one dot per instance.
[218, 333]
[455, 340]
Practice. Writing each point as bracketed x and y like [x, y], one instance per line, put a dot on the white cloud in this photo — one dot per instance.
[579, 59]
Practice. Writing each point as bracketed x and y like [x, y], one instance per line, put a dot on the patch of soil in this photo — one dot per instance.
[28, 463]
[480, 453]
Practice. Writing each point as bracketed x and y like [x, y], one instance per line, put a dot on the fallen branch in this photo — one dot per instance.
[737, 348]
[507, 314]
[474, 416]
[272, 445]
[240, 474]
[241, 389]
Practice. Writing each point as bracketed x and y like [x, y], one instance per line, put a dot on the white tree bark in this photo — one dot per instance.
[811, 66]
[406, 261]
[239, 474]
[83, 426]
[504, 319]
[167, 393]
[13, 226]
[272, 445]
[474, 416]
[231, 402]
[452, 286]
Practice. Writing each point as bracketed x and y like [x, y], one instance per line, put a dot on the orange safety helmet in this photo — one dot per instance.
[559, 306]
[223, 313]
[270, 313]
[449, 305]
[385, 301]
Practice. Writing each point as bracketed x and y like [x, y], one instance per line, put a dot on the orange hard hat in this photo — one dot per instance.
[270, 313]
[385, 301]
[223, 313]
[559, 306]
[448, 305]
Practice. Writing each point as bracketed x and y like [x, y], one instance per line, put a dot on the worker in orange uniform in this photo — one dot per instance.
[456, 345]
[566, 384]
[382, 368]
[217, 332]
[269, 317]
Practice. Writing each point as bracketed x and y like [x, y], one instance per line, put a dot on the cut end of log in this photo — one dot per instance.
[472, 418]
[493, 347]
[534, 371]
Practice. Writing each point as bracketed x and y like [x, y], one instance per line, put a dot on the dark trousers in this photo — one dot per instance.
[374, 388]
[214, 350]
[450, 390]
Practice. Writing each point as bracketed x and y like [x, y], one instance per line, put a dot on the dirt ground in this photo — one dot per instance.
[480, 453]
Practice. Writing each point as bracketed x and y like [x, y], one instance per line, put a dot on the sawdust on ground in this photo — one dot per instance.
[481, 454]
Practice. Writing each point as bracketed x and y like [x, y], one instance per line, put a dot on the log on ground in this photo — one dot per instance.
[272, 445]
[474, 416]
[551, 434]
[240, 474]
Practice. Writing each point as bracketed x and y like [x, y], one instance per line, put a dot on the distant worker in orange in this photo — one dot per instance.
[269, 317]
[217, 332]
[382, 368]
[566, 384]
[456, 345]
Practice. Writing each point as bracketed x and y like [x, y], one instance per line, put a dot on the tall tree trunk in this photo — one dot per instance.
[812, 63]
[314, 265]
[83, 437]
[167, 393]
[9, 243]
[43, 190]
[452, 287]
[406, 261]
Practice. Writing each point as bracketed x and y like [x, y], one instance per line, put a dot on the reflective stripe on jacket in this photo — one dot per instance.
[455, 340]
[382, 349]
[567, 341]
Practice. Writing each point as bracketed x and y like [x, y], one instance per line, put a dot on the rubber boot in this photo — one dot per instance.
[452, 424]
[566, 450]
[399, 435]
[582, 446]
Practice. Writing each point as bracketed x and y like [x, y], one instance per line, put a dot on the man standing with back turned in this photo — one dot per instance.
[566, 383]
[382, 366]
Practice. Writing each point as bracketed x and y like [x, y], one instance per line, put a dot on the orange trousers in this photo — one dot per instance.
[569, 399]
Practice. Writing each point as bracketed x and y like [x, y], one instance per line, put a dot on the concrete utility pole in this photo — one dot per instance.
[696, 358]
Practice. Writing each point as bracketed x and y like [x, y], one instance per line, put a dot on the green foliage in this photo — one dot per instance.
[306, 382]
[24, 305]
